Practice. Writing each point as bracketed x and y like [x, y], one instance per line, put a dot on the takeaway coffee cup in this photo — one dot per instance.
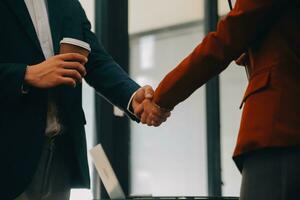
[71, 45]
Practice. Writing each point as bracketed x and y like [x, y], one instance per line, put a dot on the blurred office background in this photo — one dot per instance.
[149, 38]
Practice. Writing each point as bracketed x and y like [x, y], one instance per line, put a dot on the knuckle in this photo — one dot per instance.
[77, 73]
[72, 72]
[60, 64]
[55, 58]
[60, 72]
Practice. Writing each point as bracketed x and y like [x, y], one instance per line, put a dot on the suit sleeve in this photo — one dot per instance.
[249, 21]
[104, 74]
[11, 81]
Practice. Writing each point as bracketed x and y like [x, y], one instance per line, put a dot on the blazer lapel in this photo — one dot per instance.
[20, 10]
[55, 20]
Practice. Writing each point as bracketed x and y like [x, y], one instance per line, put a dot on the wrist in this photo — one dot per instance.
[28, 78]
[130, 107]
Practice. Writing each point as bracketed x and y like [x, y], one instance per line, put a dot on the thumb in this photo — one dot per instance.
[138, 110]
[139, 96]
[149, 92]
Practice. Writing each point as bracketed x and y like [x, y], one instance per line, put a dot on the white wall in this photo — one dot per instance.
[145, 15]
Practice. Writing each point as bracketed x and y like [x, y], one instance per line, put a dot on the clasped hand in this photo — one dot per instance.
[146, 110]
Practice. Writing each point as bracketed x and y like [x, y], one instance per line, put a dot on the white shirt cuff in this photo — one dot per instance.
[129, 103]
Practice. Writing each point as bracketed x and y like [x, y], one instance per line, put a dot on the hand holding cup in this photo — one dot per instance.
[64, 69]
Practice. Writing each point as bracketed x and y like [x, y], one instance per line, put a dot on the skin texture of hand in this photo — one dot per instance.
[146, 110]
[64, 69]
[143, 93]
[153, 115]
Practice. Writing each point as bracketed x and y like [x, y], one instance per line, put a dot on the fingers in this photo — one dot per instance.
[74, 74]
[144, 118]
[75, 65]
[139, 96]
[75, 57]
[67, 81]
[149, 92]
[156, 124]
[152, 120]
[160, 112]
[138, 111]
[147, 111]
[143, 93]
[155, 120]
[152, 114]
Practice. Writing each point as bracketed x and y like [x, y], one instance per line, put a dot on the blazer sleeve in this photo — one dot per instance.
[11, 81]
[243, 26]
[104, 74]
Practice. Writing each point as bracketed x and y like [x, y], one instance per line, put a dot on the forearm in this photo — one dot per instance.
[112, 83]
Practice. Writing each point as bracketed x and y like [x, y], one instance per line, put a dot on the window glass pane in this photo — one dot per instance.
[233, 82]
[148, 15]
[224, 7]
[171, 159]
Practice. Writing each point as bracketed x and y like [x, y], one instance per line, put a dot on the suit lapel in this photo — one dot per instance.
[20, 10]
[55, 19]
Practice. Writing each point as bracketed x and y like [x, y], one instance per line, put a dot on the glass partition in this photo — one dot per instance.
[171, 159]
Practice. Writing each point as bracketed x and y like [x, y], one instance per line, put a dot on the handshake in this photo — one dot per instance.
[146, 109]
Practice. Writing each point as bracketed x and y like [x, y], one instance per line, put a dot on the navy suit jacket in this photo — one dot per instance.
[23, 117]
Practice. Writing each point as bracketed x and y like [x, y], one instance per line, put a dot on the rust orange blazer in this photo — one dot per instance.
[271, 30]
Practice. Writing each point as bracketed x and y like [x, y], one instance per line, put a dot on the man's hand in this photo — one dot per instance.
[64, 69]
[153, 115]
[147, 111]
[141, 94]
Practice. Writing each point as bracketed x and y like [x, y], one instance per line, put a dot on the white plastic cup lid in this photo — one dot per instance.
[76, 42]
